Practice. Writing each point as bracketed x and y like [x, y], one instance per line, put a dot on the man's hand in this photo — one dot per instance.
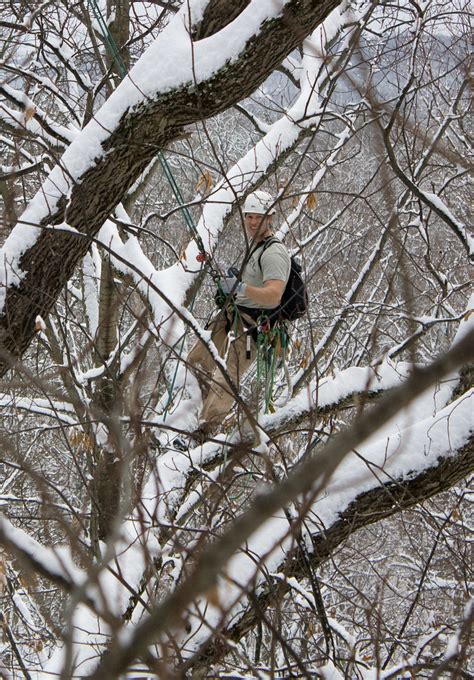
[230, 285]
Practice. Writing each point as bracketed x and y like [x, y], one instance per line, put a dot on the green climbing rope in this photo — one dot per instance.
[122, 70]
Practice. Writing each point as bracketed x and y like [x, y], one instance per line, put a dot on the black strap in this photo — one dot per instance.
[251, 327]
[266, 244]
[249, 311]
[256, 314]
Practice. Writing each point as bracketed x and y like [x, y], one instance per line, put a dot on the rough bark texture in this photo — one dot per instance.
[106, 485]
[368, 508]
[106, 399]
[155, 123]
[120, 31]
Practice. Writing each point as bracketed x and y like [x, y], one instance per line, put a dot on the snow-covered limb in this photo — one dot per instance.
[112, 581]
[6, 499]
[100, 593]
[91, 268]
[286, 133]
[413, 184]
[56, 564]
[186, 499]
[36, 121]
[290, 220]
[53, 563]
[350, 297]
[440, 208]
[259, 125]
[299, 120]
[156, 108]
[452, 429]
[10, 172]
[169, 319]
[429, 457]
[456, 641]
[164, 494]
[60, 411]
[339, 509]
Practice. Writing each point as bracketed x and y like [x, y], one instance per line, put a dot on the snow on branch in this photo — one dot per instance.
[443, 436]
[175, 469]
[55, 564]
[33, 119]
[44, 407]
[425, 459]
[382, 501]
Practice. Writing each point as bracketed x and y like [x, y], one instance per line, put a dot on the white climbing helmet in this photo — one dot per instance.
[260, 203]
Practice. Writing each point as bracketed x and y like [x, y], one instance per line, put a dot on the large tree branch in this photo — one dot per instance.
[370, 507]
[152, 124]
[52, 565]
[218, 14]
[310, 477]
[320, 400]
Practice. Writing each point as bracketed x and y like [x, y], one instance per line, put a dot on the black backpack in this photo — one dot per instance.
[294, 302]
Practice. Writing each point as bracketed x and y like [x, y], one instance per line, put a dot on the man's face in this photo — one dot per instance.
[257, 226]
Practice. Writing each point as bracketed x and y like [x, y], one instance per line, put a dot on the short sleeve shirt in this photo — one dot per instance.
[274, 265]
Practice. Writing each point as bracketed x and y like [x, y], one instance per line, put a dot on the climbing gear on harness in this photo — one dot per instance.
[220, 297]
[203, 256]
[272, 347]
[248, 347]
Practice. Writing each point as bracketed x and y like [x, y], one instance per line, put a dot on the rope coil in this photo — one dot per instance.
[272, 347]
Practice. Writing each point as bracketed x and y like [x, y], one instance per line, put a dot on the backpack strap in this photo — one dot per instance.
[266, 244]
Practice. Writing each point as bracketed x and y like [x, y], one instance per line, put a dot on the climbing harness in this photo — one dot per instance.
[272, 339]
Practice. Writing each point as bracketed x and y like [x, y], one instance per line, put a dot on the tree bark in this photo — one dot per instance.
[217, 15]
[107, 396]
[119, 29]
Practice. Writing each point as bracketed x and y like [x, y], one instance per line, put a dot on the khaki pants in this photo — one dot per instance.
[217, 394]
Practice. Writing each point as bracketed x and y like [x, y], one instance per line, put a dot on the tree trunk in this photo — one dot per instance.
[107, 475]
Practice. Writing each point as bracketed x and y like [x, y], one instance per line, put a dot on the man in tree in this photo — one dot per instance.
[265, 274]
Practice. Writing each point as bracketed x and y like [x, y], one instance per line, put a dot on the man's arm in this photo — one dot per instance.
[269, 294]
